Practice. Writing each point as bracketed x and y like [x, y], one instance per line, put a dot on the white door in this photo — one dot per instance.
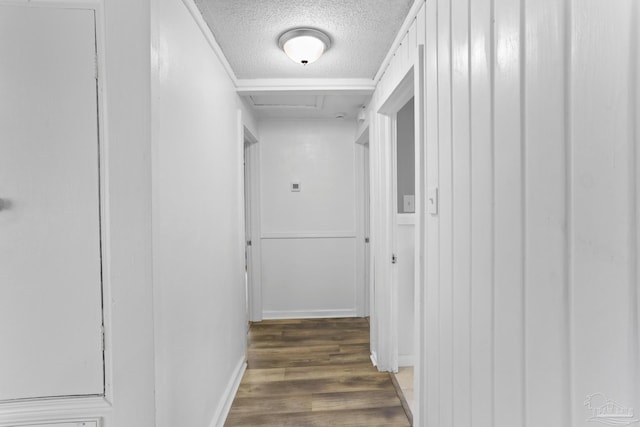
[50, 247]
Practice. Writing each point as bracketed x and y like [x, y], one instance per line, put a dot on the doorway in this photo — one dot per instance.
[253, 290]
[400, 305]
[404, 242]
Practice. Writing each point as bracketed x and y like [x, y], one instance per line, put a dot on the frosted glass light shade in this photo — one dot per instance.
[304, 45]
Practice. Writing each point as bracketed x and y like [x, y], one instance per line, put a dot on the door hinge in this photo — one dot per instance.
[102, 337]
[366, 240]
[248, 242]
[394, 259]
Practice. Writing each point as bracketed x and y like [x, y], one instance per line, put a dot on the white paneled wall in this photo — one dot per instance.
[532, 288]
[308, 237]
[531, 295]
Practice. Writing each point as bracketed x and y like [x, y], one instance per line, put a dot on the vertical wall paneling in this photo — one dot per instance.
[419, 236]
[546, 298]
[635, 51]
[509, 285]
[481, 54]
[461, 187]
[568, 205]
[532, 114]
[446, 209]
[429, 409]
[602, 132]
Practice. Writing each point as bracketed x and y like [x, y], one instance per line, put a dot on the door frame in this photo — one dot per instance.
[249, 146]
[363, 260]
[385, 312]
[387, 296]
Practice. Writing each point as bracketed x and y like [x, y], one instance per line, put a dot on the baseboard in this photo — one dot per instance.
[374, 358]
[229, 394]
[406, 360]
[90, 410]
[308, 314]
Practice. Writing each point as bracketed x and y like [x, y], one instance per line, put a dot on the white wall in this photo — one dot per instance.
[128, 138]
[197, 224]
[532, 123]
[308, 237]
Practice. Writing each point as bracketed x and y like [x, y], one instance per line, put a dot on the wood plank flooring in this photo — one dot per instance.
[314, 372]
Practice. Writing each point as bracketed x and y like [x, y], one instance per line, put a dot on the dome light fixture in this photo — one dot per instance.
[304, 45]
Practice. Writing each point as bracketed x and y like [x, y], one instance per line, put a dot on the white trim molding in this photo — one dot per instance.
[309, 314]
[206, 32]
[229, 394]
[374, 358]
[311, 235]
[247, 87]
[411, 16]
[57, 410]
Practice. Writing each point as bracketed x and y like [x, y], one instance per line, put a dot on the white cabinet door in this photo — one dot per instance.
[50, 255]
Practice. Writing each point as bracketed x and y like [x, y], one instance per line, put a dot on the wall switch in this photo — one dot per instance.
[409, 203]
[296, 186]
[432, 201]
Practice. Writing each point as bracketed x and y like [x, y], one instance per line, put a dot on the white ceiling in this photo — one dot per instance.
[361, 33]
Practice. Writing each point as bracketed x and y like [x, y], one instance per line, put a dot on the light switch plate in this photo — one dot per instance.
[432, 200]
[296, 186]
[409, 203]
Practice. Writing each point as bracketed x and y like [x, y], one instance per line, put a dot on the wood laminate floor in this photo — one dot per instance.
[314, 372]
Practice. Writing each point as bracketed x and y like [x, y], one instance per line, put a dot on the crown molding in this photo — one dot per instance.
[248, 87]
[206, 32]
[408, 21]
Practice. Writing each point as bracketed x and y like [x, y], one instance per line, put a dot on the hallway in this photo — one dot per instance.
[464, 174]
[313, 372]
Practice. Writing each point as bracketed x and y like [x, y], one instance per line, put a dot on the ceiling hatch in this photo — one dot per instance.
[265, 101]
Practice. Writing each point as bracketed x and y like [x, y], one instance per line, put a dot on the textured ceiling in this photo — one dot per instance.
[361, 33]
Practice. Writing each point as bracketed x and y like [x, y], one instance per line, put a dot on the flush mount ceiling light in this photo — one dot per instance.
[304, 45]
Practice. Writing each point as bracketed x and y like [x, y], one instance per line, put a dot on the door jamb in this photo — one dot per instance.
[387, 296]
[254, 296]
[363, 288]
